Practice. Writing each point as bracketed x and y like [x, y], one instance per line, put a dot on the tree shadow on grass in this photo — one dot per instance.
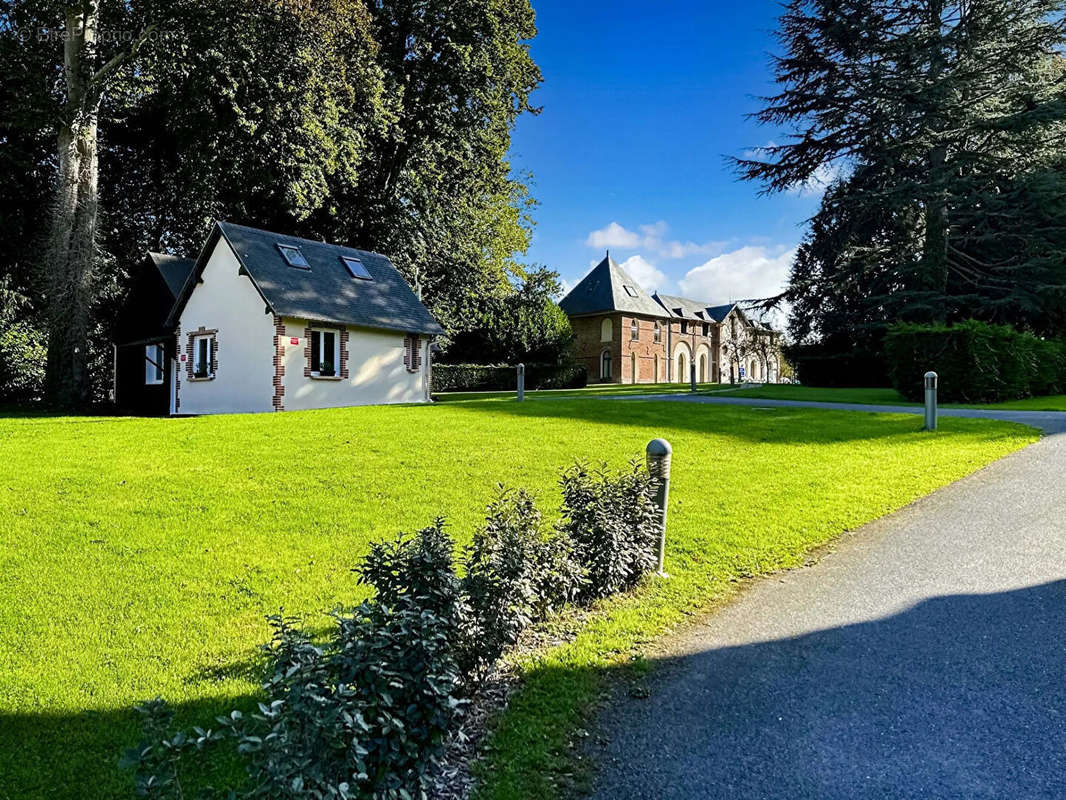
[956, 696]
[780, 425]
[75, 756]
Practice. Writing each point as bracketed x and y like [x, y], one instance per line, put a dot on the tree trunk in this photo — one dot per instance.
[71, 255]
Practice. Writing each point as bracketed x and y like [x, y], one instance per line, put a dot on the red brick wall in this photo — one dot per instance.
[587, 345]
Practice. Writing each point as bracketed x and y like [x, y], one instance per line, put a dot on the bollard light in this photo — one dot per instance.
[930, 401]
[659, 453]
[521, 382]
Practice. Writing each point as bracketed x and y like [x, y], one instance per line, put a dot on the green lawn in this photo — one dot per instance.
[139, 557]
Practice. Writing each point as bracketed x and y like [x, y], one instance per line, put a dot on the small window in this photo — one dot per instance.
[605, 365]
[153, 364]
[658, 332]
[706, 329]
[684, 326]
[630, 290]
[356, 268]
[324, 357]
[201, 357]
[634, 331]
[606, 330]
[293, 257]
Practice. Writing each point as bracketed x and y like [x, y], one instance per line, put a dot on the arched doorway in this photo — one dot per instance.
[655, 376]
[605, 365]
[633, 367]
[702, 371]
[681, 360]
[753, 371]
[771, 371]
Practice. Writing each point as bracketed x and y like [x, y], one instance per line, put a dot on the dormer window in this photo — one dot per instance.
[293, 257]
[356, 268]
[630, 290]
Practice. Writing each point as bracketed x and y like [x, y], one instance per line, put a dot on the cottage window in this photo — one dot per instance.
[658, 332]
[412, 356]
[324, 358]
[356, 268]
[201, 357]
[293, 257]
[634, 331]
[153, 364]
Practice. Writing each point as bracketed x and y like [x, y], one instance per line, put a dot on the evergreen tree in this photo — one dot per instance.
[933, 114]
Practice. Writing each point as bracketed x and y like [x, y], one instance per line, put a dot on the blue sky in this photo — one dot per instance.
[640, 105]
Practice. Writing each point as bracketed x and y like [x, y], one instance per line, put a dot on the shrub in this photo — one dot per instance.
[480, 378]
[975, 362]
[613, 524]
[514, 576]
[365, 714]
[22, 349]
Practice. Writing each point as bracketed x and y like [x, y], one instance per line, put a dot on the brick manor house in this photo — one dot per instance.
[624, 335]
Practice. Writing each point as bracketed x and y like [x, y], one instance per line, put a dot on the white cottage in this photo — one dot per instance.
[266, 322]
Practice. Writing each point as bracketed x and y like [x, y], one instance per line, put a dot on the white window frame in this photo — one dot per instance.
[154, 364]
[209, 372]
[336, 360]
[634, 331]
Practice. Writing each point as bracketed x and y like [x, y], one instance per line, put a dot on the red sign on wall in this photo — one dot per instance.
[294, 340]
[182, 356]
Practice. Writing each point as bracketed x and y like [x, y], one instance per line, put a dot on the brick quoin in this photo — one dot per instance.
[279, 364]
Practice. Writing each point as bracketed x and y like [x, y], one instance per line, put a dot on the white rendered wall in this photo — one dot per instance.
[376, 371]
[228, 302]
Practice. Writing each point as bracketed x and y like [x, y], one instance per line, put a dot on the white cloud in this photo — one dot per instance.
[649, 276]
[651, 238]
[750, 272]
[614, 235]
[816, 185]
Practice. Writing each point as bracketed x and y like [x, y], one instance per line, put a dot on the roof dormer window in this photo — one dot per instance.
[293, 257]
[630, 290]
[356, 268]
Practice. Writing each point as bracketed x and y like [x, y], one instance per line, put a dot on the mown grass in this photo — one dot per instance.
[139, 557]
[888, 397]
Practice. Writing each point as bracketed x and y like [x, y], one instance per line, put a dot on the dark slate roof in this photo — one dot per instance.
[174, 269]
[605, 289]
[327, 292]
[684, 308]
[719, 313]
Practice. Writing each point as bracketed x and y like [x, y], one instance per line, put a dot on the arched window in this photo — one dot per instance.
[733, 327]
[681, 368]
[753, 372]
[703, 368]
[634, 330]
[606, 330]
[605, 364]
[658, 336]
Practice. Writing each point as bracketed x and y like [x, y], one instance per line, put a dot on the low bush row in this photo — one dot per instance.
[481, 378]
[976, 362]
[365, 713]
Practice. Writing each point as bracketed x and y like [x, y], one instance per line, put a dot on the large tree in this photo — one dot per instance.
[929, 113]
[383, 124]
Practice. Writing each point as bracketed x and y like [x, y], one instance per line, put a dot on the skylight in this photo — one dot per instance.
[630, 290]
[356, 267]
[293, 257]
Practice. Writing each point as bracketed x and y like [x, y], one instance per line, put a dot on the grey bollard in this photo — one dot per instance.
[521, 382]
[930, 401]
[692, 377]
[659, 453]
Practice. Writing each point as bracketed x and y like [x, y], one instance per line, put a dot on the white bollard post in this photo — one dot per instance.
[930, 401]
[659, 453]
[521, 382]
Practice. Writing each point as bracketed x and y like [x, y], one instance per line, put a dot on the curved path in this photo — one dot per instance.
[924, 657]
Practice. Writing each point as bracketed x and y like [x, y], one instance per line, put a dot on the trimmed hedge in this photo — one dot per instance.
[817, 365]
[487, 378]
[975, 362]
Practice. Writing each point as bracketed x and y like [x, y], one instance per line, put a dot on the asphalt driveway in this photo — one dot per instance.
[924, 657]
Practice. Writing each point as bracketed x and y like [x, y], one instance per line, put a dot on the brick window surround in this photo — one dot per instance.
[342, 335]
[190, 352]
[412, 352]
